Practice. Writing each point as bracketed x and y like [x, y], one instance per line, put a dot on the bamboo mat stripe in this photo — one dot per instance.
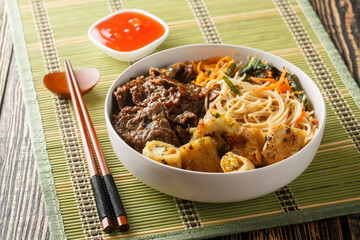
[115, 5]
[205, 21]
[70, 139]
[329, 187]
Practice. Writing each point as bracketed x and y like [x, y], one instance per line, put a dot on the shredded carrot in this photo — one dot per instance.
[269, 74]
[224, 59]
[198, 66]
[297, 122]
[193, 65]
[210, 69]
[284, 87]
[281, 86]
[258, 80]
[275, 85]
[315, 121]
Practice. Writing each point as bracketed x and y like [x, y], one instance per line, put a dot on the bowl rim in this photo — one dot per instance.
[319, 133]
[136, 51]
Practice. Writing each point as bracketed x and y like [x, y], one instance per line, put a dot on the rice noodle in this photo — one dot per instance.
[258, 109]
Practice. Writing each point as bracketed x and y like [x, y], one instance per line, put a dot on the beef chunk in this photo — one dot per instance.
[179, 72]
[161, 106]
[137, 125]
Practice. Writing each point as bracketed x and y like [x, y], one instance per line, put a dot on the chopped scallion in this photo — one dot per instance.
[231, 85]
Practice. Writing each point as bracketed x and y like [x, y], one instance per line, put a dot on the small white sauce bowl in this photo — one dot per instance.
[215, 187]
[130, 55]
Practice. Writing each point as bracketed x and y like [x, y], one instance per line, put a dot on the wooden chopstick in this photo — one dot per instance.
[86, 126]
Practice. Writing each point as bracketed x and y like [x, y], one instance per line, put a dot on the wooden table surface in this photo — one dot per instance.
[22, 211]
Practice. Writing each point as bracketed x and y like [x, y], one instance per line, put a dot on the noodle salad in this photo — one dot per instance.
[256, 94]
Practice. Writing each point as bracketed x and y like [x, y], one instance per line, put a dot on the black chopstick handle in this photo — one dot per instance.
[102, 205]
[116, 202]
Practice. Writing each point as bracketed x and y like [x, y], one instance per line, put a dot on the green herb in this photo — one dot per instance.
[292, 81]
[256, 68]
[250, 66]
[231, 85]
[231, 69]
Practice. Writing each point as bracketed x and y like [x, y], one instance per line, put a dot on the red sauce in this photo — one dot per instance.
[128, 31]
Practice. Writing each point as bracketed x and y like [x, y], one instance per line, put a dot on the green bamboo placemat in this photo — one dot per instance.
[47, 32]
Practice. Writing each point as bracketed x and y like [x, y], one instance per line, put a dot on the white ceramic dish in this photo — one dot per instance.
[132, 55]
[214, 187]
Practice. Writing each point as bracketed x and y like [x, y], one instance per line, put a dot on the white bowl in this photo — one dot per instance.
[131, 55]
[214, 187]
